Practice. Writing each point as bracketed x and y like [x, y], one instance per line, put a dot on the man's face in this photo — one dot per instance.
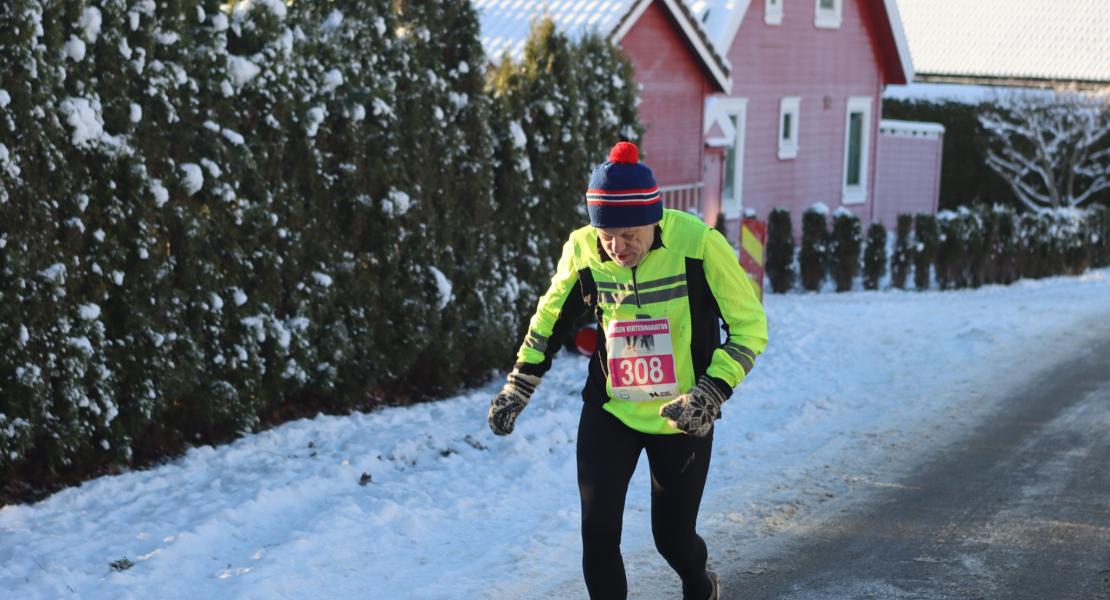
[627, 245]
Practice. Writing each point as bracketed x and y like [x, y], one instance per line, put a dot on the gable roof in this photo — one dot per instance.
[1022, 40]
[722, 20]
[506, 24]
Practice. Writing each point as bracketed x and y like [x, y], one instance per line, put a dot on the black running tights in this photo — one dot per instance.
[608, 451]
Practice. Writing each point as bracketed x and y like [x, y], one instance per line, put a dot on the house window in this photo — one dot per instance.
[828, 13]
[789, 110]
[772, 12]
[857, 138]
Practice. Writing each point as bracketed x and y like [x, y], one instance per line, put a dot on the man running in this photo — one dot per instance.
[643, 272]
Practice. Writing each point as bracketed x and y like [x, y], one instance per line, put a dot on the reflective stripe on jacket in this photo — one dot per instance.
[690, 276]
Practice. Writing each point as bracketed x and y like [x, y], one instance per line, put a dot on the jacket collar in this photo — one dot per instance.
[655, 243]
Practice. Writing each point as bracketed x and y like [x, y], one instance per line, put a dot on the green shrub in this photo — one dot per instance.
[557, 112]
[902, 260]
[1099, 217]
[1003, 248]
[874, 257]
[780, 251]
[926, 241]
[951, 250]
[813, 256]
[211, 222]
[847, 243]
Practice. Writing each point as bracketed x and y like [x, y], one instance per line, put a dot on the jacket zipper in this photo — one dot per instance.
[635, 288]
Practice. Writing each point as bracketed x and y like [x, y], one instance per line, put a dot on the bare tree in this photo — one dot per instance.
[1053, 149]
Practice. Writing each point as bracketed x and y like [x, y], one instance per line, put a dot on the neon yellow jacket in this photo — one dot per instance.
[690, 276]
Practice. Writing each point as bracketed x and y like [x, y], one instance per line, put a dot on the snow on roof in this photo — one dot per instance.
[506, 24]
[720, 19]
[1010, 39]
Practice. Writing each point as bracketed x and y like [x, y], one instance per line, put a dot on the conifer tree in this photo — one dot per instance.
[452, 164]
[847, 242]
[926, 238]
[813, 257]
[780, 251]
[977, 248]
[902, 260]
[874, 258]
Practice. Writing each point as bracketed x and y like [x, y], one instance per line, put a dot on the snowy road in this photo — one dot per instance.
[854, 391]
[1018, 509]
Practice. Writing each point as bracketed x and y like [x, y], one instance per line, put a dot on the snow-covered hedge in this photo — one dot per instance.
[901, 262]
[780, 251]
[847, 246]
[968, 247]
[874, 257]
[813, 257]
[556, 113]
[212, 220]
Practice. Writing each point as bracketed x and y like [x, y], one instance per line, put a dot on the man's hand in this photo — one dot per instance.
[508, 403]
[695, 411]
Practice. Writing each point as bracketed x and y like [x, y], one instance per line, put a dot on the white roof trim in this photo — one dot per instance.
[899, 32]
[681, 16]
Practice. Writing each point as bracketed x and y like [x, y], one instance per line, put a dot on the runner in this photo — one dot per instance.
[662, 285]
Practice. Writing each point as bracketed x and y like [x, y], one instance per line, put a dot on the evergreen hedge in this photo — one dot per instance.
[1100, 235]
[211, 222]
[926, 241]
[874, 257]
[813, 257]
[847, 243]
[902, 260]
[968, 247]
[780, 251]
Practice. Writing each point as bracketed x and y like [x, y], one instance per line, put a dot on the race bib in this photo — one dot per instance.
[641, 360]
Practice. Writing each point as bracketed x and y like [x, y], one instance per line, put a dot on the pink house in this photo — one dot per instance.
[755, 104]
[803, 121]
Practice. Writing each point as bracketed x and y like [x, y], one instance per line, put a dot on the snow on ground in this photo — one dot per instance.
[851, 384]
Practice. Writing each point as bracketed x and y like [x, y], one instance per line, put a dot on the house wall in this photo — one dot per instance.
[673, 96]
[908, 173]
[798, 59]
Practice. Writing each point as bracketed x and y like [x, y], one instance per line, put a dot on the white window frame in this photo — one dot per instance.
[789, 105]
[828, 18]
[857, 194]
[734, 207]
[772, 12]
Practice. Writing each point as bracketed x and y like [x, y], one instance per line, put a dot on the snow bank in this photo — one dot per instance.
[424, 502]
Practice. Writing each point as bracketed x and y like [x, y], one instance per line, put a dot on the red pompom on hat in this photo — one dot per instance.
[625, 152]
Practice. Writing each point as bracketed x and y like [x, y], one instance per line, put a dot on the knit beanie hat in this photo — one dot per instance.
[623, 192]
